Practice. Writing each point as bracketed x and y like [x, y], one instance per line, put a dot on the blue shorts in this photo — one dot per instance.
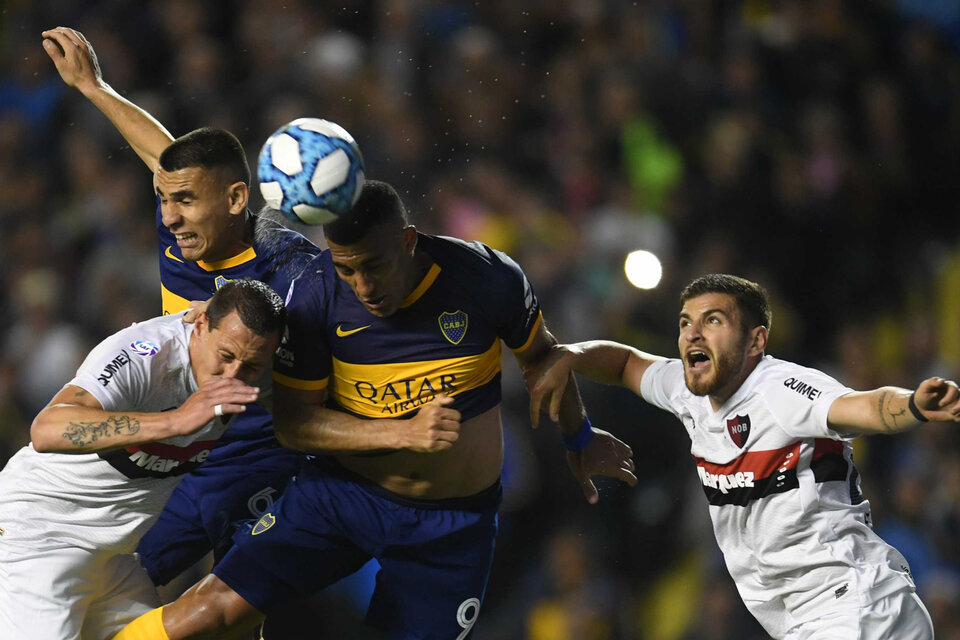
[434, 555]
[208, 507]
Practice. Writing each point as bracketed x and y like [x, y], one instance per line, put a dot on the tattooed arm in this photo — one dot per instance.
[887, 409]
[74, 422]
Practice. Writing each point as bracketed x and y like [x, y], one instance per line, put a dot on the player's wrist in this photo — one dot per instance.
[580, 440]
[915, 410]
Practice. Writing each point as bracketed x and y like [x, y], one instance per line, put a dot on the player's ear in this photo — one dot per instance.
[758, 341]
[238, 194]
[409, 239]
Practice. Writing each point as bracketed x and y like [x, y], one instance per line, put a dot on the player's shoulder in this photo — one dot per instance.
[273, 240]
[156, 333]
[776, 374]
[468, 257]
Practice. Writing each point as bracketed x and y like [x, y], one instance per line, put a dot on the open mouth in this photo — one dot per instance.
[697, 360]
[186, 239]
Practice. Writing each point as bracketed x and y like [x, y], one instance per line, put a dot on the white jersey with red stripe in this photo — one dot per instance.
[106, 501]
[784, 494]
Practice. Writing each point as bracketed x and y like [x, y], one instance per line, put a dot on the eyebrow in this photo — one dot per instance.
[683, 314]
[183, 193]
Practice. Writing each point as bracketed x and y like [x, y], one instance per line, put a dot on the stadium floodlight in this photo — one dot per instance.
[643, 269]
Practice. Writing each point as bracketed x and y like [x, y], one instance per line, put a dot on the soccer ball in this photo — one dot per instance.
[311, 171]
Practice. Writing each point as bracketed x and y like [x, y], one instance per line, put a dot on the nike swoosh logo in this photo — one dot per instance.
[343, 334]
[170, 255]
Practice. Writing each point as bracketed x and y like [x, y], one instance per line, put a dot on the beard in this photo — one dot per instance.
[724, 368]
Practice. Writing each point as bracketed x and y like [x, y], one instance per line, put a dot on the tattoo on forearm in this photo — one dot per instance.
[81, 434]
[890, 417]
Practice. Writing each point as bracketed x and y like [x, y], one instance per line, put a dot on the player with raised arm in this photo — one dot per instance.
[772, 444]
[207, 237]
[392, 378]
[146, 407]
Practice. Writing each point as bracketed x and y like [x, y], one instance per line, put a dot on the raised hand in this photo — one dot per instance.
[74, 58]
[606, 455]
[939, 400]
[435, 428]
[229, 394]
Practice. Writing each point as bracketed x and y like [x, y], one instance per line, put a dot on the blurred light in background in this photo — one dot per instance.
[643, 269]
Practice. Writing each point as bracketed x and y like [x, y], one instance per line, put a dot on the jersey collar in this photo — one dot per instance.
[421, 288]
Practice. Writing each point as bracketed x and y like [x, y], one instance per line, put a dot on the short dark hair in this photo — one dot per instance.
[751, 298]
[260, 308]
[209, 148]
[378, 204]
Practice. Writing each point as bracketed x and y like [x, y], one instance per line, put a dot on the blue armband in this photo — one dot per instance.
[580, 440]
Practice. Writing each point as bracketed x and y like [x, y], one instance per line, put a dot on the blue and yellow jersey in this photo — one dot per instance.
[278, 256]
[444, 338]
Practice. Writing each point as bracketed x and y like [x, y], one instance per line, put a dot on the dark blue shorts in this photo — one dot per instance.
[434, 555]
[208, 507]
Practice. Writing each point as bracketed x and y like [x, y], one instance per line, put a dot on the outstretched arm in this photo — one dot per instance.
[888, 410]
[600, 360]
[77, 64]
[590, 451]
[76, 422]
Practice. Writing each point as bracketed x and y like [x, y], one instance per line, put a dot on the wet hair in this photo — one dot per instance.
[379, 204]
[260, 308]
[211, 149]
[750, 297]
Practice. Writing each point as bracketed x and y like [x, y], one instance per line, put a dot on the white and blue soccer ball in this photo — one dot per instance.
[311, 171]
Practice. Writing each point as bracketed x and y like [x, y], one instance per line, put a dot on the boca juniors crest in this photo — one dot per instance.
[264, 523]
[739, 429]
[453, 325]
[219, 281]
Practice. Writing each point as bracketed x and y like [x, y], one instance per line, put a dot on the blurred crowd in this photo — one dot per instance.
[810, 145]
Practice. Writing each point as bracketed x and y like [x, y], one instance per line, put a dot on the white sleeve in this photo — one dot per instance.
[114, 374]
[800, 399]
[661, 383]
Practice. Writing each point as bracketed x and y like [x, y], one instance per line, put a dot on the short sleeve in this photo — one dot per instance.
[114, 374]
[800, 400]
[518, 309]
[303, 359]
[661, 382]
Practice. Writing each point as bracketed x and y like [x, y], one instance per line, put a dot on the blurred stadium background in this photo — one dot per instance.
[811, 145]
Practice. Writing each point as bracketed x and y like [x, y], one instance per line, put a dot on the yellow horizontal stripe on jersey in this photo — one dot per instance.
[172, 303]
[303, 385]
[240, 258]
[393, 389]
[533, 334]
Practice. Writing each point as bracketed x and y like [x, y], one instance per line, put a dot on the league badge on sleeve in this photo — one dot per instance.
[144, 348]
[739, 429]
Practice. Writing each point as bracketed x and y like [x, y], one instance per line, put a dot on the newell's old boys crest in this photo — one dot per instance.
[453, 325]
[264, 523]
[739, 429]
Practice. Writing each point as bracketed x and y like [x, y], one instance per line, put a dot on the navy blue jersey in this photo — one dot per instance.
[278, 256]
[445, 338]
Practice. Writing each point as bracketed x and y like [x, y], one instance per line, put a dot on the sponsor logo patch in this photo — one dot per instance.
[453, 325]
[801, 387]
[264, 523]
[144, 347]
[739, 429]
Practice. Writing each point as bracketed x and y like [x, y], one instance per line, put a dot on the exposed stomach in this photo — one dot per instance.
[471, 465]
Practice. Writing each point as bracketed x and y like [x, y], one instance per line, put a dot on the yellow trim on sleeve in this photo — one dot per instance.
[533, 334]
[303, 385]
[422, 287]
[240, 258]
[171, 302]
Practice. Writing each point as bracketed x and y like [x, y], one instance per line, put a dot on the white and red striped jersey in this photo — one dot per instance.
[783, 491]
[107, 500]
